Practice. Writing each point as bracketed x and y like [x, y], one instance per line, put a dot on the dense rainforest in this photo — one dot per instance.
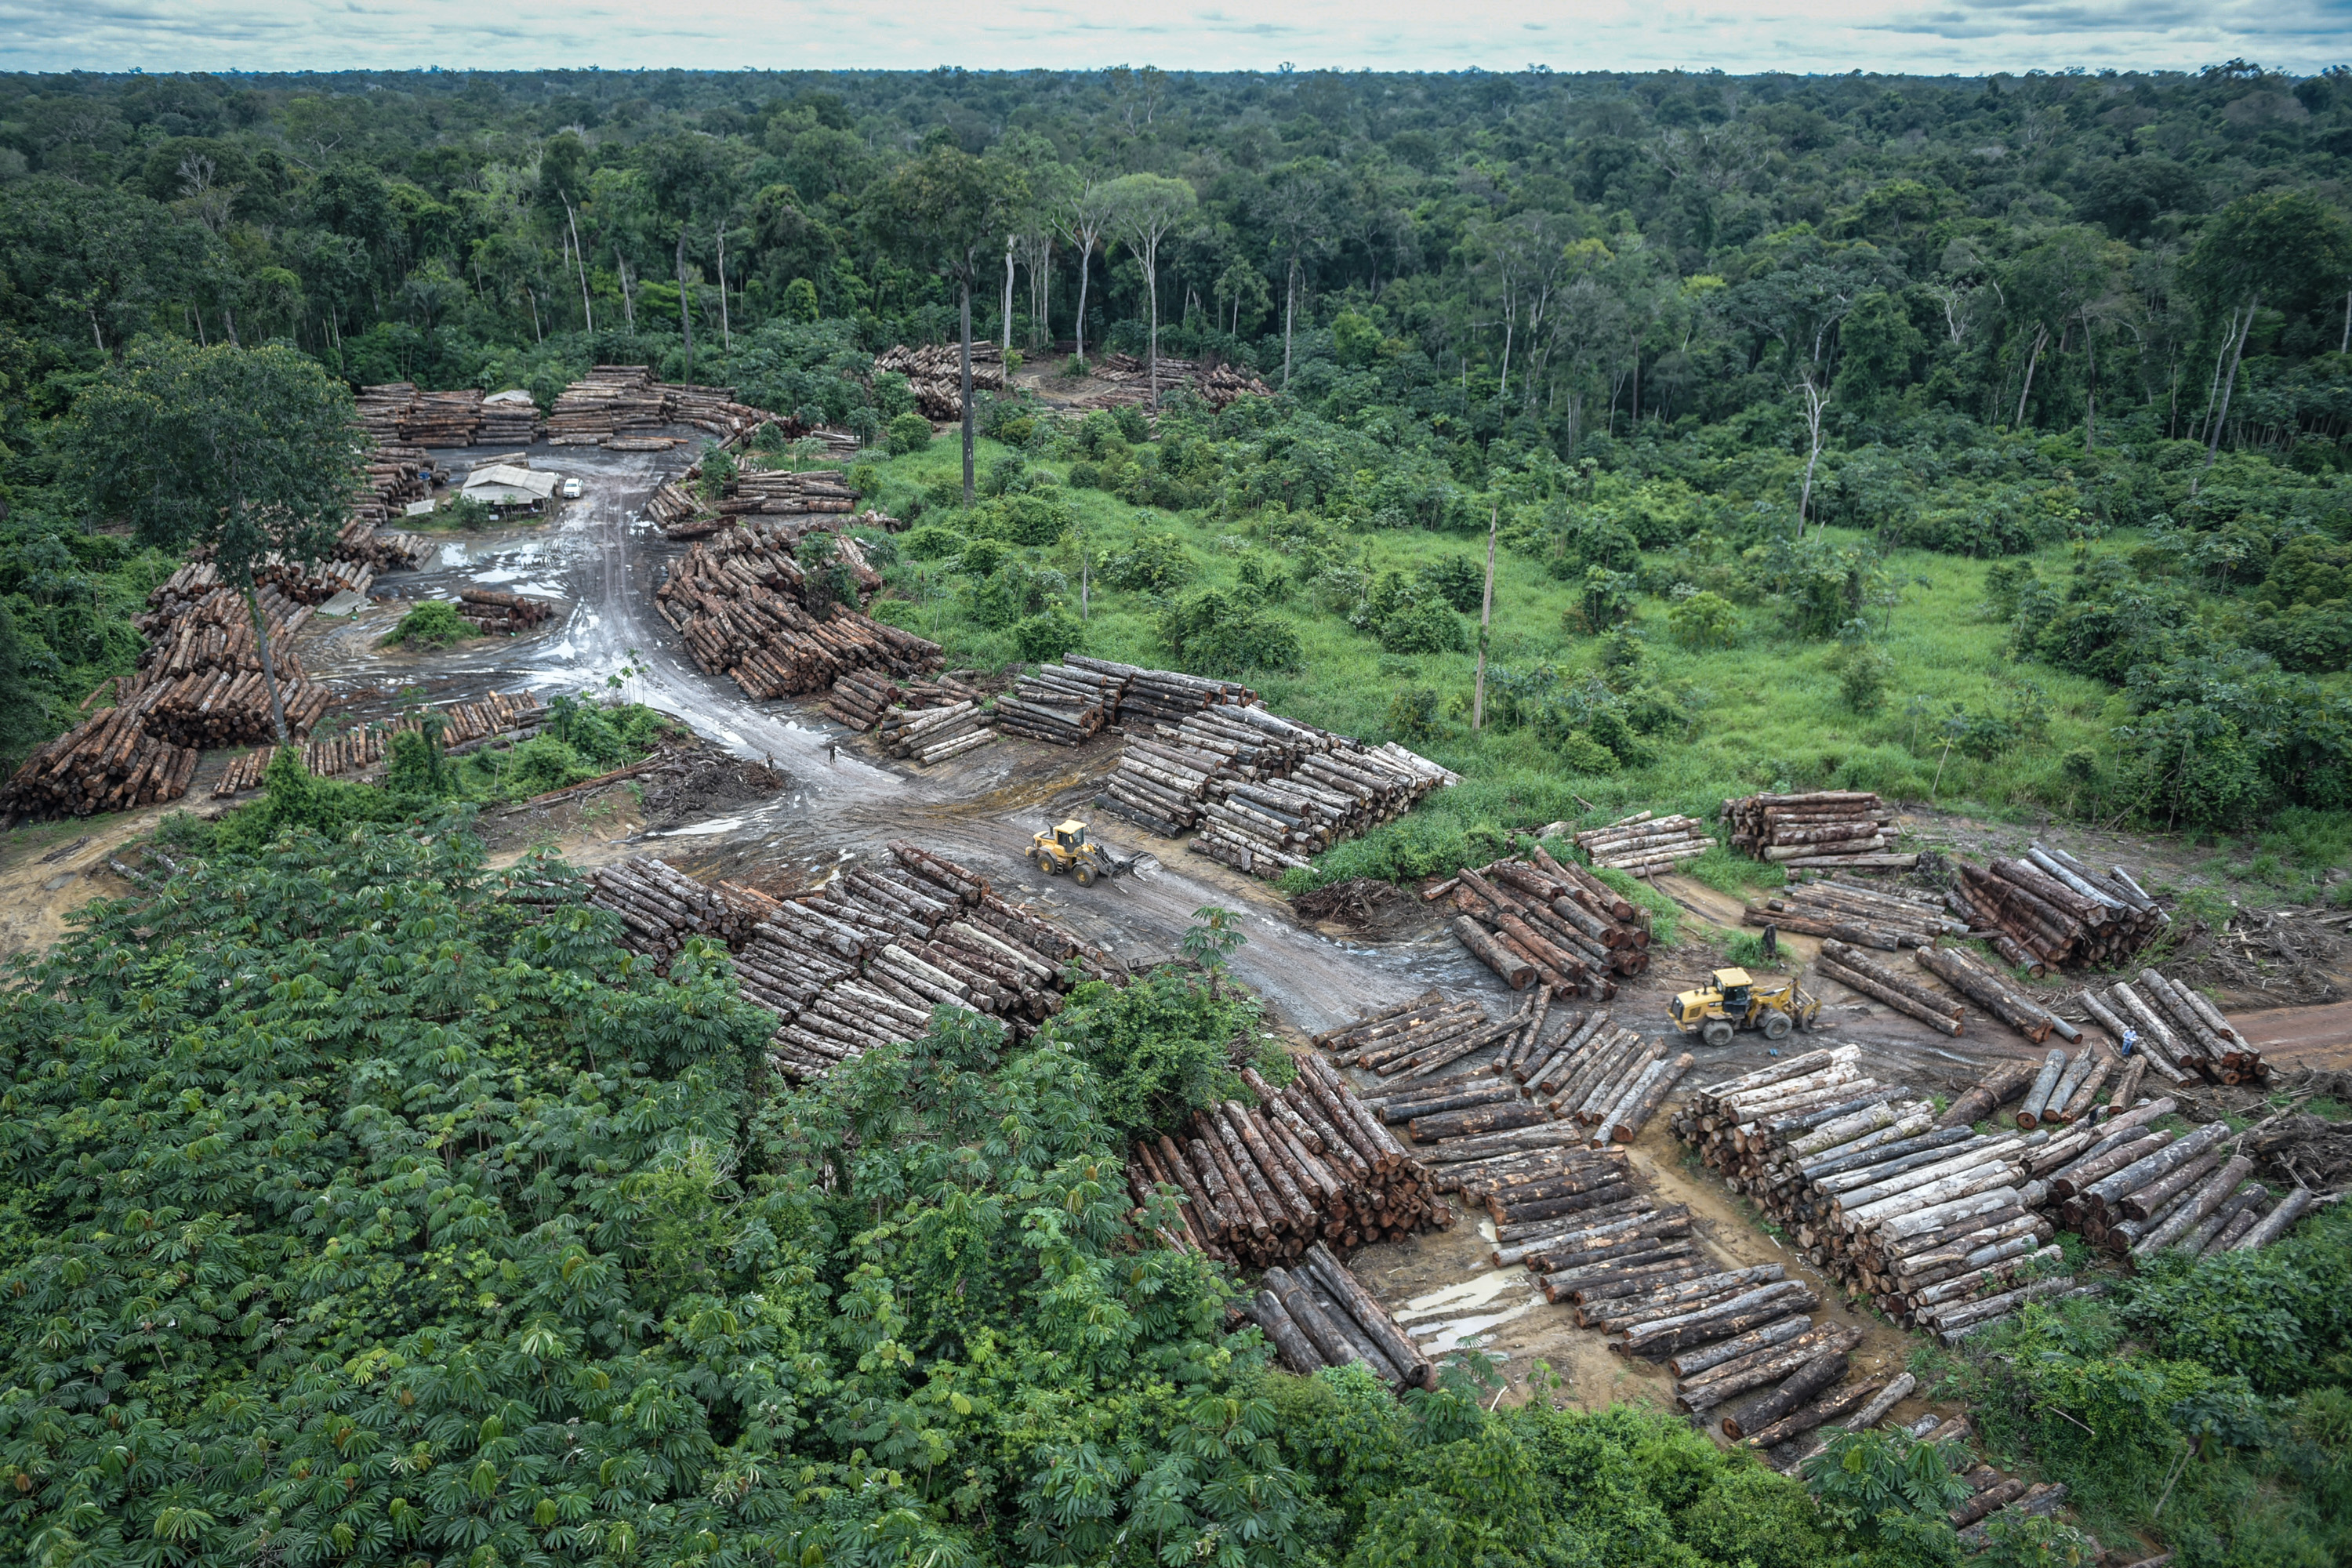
[1977, 441]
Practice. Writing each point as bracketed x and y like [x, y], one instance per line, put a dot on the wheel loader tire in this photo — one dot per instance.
[1717, 1031]
[1085, 874]
[1777, 1026]
[1045, 863]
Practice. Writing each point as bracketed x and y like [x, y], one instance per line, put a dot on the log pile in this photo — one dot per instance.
[110, 762]
[442, 418]
[612, 401]
[862, 698]
[935, 374]
[1546, 920]
[509, 419]
[491, 610]
[1823, 828]
[1883, 918]
[393, 552]
[464, 726]
[736, 600]
[1915, 1217]
[1060, 704]
[378, 409]
[1319, 1315]
[682, 512]
[203, 684]
[2177, 1030]
[1646, 843]
[1131, 382]
[934, 734]
[1167, 696]
[1856, 970]
[1993, 992]
[1307, 1166]
[2137, 1190]
[2050, 910]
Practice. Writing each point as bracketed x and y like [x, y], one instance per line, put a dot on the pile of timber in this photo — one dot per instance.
[1319, 1315]
[2177, 1030]
[393, 551]
[110, 762]
[867, 959]
[1167, 696]
[1546, 920]
[862, 698]
[378, 409]
[1993, 992]
[1309, 1166]
[682, 510]
[1062, 703]
[714, 409]
[1934, 1224]
[1856, 970]
[442, 418]
[934, 734]
[509, 418]
[935, 374]
[1130, 381]
[612, 401]
[201, 672]
[737, 603]
[1646, 843]
[2050, 910]
[1883, 918]
[1825, 827]
[488, 610]
[2136, 1190]
[466, 726]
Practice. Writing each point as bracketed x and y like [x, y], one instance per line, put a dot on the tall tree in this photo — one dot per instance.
[248, 453]
[2275, 244]
[945, 211]
[1083, 217]
[1297, 208]
[1144, 209]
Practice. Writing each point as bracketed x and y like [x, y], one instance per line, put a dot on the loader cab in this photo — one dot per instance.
[1071, 835]
[1736, 987]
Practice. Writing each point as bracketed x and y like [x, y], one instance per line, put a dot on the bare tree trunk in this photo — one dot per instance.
[580, 257]
[1289, 314]
[2346, 346]
[1486, 620]
[967, 422]
[1151, 288]
[2040, 336]
[228, 320]
[2091, 394]
[2230, 382]
[269, 663]
[536, 335]
[725, 330]
[685, 319]
[1007, 347]
[1503, 388]
[1085, 251]
[628, 299]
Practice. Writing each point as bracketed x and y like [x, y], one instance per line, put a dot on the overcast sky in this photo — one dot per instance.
[1931, 36]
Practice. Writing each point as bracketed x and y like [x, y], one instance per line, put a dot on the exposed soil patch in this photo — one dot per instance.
[704, 782]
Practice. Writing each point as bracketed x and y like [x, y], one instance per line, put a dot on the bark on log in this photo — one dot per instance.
[1794, 1390]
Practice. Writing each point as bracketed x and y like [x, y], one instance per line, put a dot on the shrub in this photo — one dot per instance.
[468, 512]
[1704, 620]
[1045, 638]
[931, 543]
[432, 624]
[1427, 626]
[1219, 634]
[1154, 563]
[1413, 714]
[1580, 754]
[1864, 672]
[907, 432]
[1457, 579]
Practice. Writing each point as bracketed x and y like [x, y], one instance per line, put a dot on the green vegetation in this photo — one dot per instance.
[432, 624]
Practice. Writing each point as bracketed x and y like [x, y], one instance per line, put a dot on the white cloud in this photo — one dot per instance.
[1931, 38]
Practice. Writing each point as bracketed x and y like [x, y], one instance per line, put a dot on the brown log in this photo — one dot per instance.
[1748, 1310]
[1794, 1390]
[1870, 985]
[1514, 972]
[2005, 1079]
[1837, 1403]
[1266, 1310]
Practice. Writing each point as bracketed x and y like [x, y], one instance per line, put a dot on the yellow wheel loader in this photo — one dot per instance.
[1064, 847]
[1735, 1001]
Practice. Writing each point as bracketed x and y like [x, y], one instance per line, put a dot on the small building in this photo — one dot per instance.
[509, 488]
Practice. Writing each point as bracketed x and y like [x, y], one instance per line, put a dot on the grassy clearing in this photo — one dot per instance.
[1766, 712]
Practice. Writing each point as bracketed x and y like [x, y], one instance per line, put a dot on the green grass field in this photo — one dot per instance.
[1766, 712]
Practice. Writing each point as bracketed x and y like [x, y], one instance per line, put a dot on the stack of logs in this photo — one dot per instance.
[1546, 920]
[1060, 704]
[1131, 382]
[378, 410]
[509, 418]
[488, 611]
[393, 552]
[737, 601]
[1856, 970]
[613, 400]
[1934, 1224]
[1883, 918]
[862, 698]
[934, 734]
[2137, 1191]
[2050, 910]
[110, 762]
[1318, 1315]
[1993, 992]
[1307, 1165]
[1167, 696]
[202, 670]
[865, 961]
[1645, 844]
[442, 418]
[2177, 1030]
[682, 511]
[465, 725]
[935, 374]
[1825, 827]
